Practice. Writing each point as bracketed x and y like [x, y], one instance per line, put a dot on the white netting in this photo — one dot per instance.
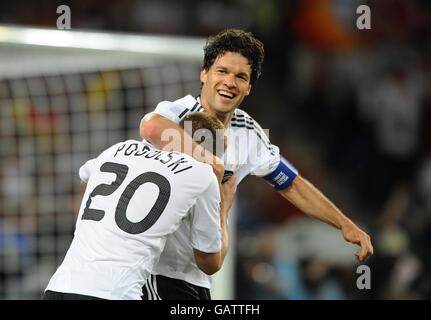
[53, 118]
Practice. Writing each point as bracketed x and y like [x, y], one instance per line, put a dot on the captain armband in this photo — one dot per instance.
[283, 176]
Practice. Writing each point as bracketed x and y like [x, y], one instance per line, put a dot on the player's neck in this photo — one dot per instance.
[224, 117]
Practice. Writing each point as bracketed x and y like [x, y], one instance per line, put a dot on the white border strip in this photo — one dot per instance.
[185, 47]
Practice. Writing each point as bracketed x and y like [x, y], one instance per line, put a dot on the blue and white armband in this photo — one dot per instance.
[283, 176]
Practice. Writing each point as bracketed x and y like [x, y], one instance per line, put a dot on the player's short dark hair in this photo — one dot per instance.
[213, 126]
[239, 41]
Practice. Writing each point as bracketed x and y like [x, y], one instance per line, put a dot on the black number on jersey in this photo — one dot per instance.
[120, 212]
[120, 171]
[162, 200]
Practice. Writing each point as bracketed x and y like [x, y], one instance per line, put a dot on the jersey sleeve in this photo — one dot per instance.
[86, 169]
[263, 155]
[169, 110]
[267, 162]
[205, 223]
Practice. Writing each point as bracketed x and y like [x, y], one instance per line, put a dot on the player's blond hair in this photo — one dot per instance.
[202, 120]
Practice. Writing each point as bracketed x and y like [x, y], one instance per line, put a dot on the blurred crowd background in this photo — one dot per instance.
[349, 108]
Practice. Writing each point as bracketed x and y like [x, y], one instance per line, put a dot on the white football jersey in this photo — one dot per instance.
[249, 151]
[135, 197]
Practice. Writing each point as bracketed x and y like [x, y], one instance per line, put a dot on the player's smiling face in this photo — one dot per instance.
[226, 83]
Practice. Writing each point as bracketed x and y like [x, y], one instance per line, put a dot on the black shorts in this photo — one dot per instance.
[164, 288]
[54, 295]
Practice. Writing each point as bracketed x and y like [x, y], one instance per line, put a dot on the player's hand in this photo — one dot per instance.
[227, 193]
[355, 235]
[218, 167]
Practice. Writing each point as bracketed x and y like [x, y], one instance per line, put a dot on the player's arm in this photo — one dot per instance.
[212, 262]
[209, 234]
[164, 133]
[209, 263]
[227, 195]
[306, 197]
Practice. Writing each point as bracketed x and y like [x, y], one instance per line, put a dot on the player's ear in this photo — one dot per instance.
[247, 92]
[203, 75]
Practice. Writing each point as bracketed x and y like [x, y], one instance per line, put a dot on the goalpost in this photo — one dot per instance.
[64, 97]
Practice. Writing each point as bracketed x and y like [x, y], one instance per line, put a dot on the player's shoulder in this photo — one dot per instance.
[183, 102]
[186, 100]
[176, 110]
[246, 126]
[126, 142]
[108, 151]
[201, 175]
[125, 146]
[198, 166]
[242, 119]
[241, 113]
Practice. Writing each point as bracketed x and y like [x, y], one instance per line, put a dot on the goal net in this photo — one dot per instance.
[64, 97]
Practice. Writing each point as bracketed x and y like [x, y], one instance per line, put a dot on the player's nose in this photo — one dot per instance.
[230, 81]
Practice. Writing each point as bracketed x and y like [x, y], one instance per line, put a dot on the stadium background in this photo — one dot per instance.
[348, 108]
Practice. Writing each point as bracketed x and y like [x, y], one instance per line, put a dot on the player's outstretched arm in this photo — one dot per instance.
[168, 135]
[312, 202]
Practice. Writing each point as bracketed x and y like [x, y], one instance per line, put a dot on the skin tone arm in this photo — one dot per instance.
[312, 202]
[227, 193]
[210, 263]
[152, 129]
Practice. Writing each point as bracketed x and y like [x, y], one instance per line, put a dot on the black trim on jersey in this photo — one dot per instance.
[183, 113]
[257, 133]
[194, 107]
[240, 125]
[260, 130]
[261, 134]
[197, 106]
[239, 121]
[198, 102]
[249, 123]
